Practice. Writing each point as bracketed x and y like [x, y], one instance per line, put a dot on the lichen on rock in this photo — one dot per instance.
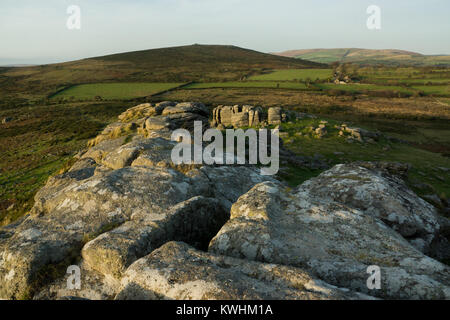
[141, 227]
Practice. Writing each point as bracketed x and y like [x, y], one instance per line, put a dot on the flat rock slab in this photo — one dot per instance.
[178, 271]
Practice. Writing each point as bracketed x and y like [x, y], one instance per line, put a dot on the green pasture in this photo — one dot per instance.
[434, 90]
[295, 74]
[248, 84]
[114, 91]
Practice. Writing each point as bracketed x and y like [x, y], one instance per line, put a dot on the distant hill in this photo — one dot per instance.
[368, 57]
[176, 64]
[19, 65]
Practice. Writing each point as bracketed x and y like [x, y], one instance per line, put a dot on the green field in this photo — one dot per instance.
[248, 84]
[423, 81]
[412, 76]
[390, 72]
[199, 63]
[114, 91]
[295, 74]
[125, 91]
[435, 90]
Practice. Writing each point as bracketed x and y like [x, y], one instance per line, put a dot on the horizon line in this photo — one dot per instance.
[18, 65]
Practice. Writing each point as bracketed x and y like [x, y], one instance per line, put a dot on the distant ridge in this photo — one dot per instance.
[203, 59]
[176, 64]
[16, 65]
[391, 57]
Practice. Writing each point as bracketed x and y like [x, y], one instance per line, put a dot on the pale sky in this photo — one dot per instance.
[35, 32]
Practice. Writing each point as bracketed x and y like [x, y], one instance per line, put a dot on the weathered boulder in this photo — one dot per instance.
[185, 120]
[166, 116]
[321, 131]
[246, 115]
[382, 196]
[177, 271]
[387, 169]
[274, 116]
[222, 115]
[122, 157]
[228, 183]
[115, 130]
[240, 119]
[186, 107]
[121, 194]
[101, 150]
[333, 241]
[157, 153]
[141, 111]
[63, 221]
[358, 134]
[194, 221]
[150, 152]
[237, 116]
[136, 232]
[157, 123]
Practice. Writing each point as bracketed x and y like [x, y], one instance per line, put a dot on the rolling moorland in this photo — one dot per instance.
[178, 64]
[368, 57]
[50, 112]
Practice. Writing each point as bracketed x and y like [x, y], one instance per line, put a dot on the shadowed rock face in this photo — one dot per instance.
[194, 221]
[117, 211]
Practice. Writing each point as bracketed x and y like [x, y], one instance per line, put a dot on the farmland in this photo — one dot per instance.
[437, 90]
[390, 82]
[114, 91]
[199, 63]
[249, 84]
[295, 74]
